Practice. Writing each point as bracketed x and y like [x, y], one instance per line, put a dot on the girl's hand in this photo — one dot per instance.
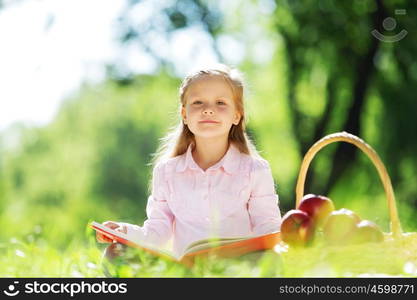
[101, 238]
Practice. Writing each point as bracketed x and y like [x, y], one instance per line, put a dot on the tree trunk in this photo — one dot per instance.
[345, 153]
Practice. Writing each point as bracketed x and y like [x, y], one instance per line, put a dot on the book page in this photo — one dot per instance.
[202, 245]
[217, 242]
[213, 241]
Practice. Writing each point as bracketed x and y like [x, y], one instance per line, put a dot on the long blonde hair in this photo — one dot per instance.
[179, 137]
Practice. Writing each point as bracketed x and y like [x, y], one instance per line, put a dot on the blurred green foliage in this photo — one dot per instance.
[91, 162]
[326, 74]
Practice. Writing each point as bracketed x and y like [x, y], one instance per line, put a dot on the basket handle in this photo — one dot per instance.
[383, 174]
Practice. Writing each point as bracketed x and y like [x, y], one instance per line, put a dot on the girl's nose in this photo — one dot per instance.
[207, 111]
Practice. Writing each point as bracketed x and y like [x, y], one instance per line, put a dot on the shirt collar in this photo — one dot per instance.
[229, 162]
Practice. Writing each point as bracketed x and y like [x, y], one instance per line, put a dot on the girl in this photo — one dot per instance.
[208, 178]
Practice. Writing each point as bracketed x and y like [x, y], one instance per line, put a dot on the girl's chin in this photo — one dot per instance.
[209, 134]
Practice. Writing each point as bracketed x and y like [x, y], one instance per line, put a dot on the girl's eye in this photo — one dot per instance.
[218, 102]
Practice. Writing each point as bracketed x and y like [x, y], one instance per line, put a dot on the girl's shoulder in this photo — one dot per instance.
[260, 163]
[250, 163]
[167, 166]
[255, 162]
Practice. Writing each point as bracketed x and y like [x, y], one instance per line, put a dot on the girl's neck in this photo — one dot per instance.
[207, 153]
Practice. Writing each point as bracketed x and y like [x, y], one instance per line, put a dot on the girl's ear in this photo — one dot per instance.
[237, 118]
[184, 115]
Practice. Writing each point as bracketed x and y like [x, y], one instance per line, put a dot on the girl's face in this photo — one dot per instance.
[210, 109]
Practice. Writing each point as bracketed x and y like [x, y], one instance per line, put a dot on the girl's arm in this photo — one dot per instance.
[157, 229]
[263, 203]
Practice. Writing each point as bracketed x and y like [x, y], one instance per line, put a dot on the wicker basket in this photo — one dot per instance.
[395, 225]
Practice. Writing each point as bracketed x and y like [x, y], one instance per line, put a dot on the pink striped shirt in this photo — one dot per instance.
[235, 197]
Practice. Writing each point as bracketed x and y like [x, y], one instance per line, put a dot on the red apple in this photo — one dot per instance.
[297, 228]
[340, 226]
[367, 232]
[317, 207]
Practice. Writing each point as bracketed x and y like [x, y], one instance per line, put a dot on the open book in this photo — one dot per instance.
[223, 247]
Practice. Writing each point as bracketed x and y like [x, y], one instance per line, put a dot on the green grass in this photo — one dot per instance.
[83, 258]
